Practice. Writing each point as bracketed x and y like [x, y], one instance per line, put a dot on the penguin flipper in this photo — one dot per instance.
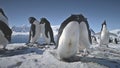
[33, 30]
[46, 31]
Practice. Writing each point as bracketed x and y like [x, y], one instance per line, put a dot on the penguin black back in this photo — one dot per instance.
[31, 20]
[6, 30]
[47, 28]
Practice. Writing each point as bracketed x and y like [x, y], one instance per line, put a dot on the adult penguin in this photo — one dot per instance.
[73, 35]
[35, 30]
[47, 31]
[104, 37]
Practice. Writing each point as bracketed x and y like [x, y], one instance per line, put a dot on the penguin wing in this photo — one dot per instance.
[33, 30]
[6, 30]
[46, 30]
[52, 35]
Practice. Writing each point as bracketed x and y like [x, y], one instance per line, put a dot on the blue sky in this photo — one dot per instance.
[56, 11]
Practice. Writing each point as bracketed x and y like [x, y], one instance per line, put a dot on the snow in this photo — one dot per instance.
[33, 57]
[19, 55]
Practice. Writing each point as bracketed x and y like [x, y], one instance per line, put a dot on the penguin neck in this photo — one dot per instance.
[104, 28]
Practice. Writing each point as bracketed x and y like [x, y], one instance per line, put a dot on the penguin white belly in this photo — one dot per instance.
[47, 39]
[84, 42]
[3, 40]
[37, 34]
[105, 37]
[69, 40]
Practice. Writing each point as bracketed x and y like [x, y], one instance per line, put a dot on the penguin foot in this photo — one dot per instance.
[85, 53]
[5, 49]
[29, 44]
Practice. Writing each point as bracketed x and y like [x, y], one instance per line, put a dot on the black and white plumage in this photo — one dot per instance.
[94, 40]
[3, 17]
[73, 35]
[47, 31]
[35, 30]
[104, 37]
[5, 31]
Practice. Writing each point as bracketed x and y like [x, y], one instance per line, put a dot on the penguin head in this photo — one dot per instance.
[78, 17]
[104, 24]
[31, 20]
[2, 12]
[44, 21]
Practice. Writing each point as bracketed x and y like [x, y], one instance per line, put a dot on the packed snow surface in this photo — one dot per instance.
[19, 55]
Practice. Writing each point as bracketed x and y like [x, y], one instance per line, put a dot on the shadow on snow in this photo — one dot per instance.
[20, 51]
[106, 62]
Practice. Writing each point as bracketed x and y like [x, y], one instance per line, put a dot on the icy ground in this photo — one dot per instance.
[21, 56]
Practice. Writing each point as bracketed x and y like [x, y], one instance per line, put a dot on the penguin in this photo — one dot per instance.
[104, 36]
[47, 31]
[35, 30]
[3, 17]
[115, 41]
[110, 40]
[5, 34]
[73, 35]
[94, 40]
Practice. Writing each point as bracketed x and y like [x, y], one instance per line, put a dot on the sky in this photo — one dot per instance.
[56, 11]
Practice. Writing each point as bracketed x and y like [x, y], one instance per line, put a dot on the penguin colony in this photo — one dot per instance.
[74, 34]
[42, 28]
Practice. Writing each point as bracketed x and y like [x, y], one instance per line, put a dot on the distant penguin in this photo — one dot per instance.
[115, 41]
[104, 37]
[73, 35]
[35, 30]
[110, 40]
[94, 40]
[5, 34]
[3, 17]
[47, 31]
